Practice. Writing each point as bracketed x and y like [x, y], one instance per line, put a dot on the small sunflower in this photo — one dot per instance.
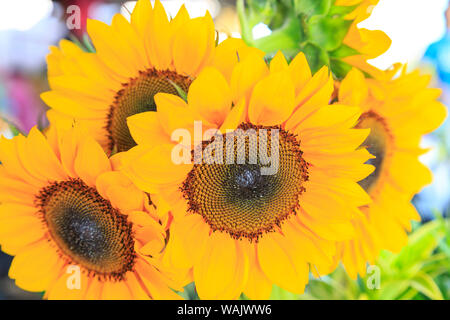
[239, 229]
[368, 44]
[399, 111]
[74, 235]
[133, 61]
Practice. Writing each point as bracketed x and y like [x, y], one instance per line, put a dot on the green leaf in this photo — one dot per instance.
[391, 290]
[180, 91]
[320, 289]
[312, 7]
[316, 56]
[252, 12]
[85, 43]
[327, 32]
[88, 44]
[344, 51]
[437, 264]
[424, 284]
[244, 21]
[341, 10]
[189, 292]
[421, 244]
[339, 68]
[281, 294]
[281, 12]
[285, 38]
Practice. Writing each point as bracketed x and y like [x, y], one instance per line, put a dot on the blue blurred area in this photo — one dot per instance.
[438, 54]
[435, 198]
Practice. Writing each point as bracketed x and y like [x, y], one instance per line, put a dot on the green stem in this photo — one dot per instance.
[246, 27]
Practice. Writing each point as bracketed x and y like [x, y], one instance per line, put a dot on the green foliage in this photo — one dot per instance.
[421, 270]
[312, 7]
[180, 91]
[316, 56]
[316, 27]
[328, 32]
[84, 44]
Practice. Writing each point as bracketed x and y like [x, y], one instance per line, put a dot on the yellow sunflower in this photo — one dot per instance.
[399, 111]
[368, 43]
[240, 229]
[133, 61]
[74, 235]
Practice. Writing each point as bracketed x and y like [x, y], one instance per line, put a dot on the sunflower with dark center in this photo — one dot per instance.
[238, 198]
[399, 110]
[72, 232]
[239, 229]
[133, 62]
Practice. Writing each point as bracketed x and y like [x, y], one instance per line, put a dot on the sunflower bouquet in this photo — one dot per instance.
[173, 159]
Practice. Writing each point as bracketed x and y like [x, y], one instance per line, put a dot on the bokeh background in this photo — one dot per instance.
[420, 33]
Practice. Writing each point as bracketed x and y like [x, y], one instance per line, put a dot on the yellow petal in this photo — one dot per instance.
[218, 275]
[173, 113]
[210, 96]
[316, 93]
[91, 161]
[290, 271]
[146, 129]
[61, 291]
[336, 116]
[193, 46]
[258, 286]
[116, 291]
[229, 52]
[353, 89]
[235, 117]
[156, 166]
[300, 72]
[39, 158]
[60, 102]
[112, 50]
[34, 268]
[154, 283]
[408, 173]
[272, 100]
[12, 163]
[136, 289]
[160, 38]
[245, 75]
[113, 185]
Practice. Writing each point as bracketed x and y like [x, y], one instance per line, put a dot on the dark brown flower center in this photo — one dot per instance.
[239, 198]
[87, 230]
[377, 144]
[135, 97]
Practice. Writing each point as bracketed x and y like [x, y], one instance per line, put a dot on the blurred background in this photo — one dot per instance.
[420, 33]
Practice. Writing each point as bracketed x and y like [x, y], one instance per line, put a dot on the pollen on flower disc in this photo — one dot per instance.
[238, 198]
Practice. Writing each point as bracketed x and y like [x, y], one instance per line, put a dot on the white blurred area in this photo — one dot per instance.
[412, 26]
[23, 14]
[27, 28]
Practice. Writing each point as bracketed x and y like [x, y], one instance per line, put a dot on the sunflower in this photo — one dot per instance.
[239, 227]
[133, 61]
[72, 232]
[368, 44]
[399, 111]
